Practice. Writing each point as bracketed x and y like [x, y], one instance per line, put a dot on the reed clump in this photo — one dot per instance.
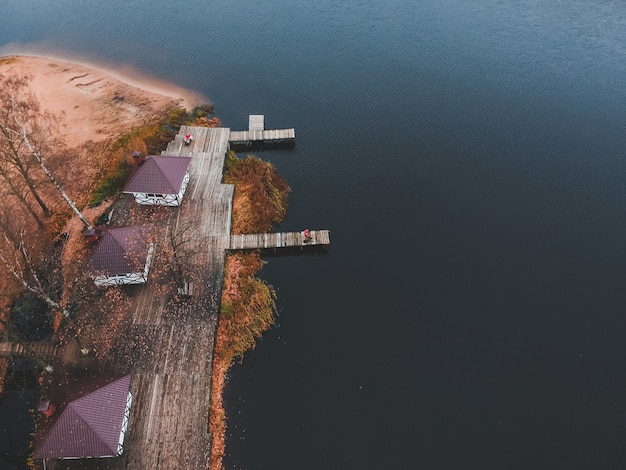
[248, 303]
[260, 194]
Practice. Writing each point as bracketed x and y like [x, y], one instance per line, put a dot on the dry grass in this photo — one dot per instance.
[248, 309]
[248, 304]
[260, 196]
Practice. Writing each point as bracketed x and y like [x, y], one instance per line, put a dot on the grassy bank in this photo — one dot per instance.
[248, 303]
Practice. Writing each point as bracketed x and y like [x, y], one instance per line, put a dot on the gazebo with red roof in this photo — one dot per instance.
[92, 425]
[160, 180]
[121, 256]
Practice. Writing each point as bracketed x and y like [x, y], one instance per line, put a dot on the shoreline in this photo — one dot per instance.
[93, 102]
[122, 72]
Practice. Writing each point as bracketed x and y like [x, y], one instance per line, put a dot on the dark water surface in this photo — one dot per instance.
[468, 158]
[18, 400]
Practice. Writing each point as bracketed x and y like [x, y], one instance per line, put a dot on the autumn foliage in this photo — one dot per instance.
[260, 194]
[93, 174]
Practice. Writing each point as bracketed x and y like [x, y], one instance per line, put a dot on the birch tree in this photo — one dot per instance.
[16, 254]
[27, 135]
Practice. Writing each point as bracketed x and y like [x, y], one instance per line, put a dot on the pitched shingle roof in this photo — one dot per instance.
[89, 426]
[159, 175]
[120, 251]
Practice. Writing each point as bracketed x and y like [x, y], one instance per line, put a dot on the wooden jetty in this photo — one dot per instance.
[257, 133]
[279, 240]
[171, 347]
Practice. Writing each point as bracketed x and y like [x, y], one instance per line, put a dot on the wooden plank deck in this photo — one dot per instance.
[40, 349]
[278, 240]
[169, 345]
[257, 133]
[256, 122]
[205, 139]
[238, 137]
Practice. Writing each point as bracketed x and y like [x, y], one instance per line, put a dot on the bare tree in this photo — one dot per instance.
[27, 133]
[181, 241]
[16, 256]
[15, 163]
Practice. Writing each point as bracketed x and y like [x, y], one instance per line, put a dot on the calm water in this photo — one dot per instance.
[468, 158]
[19, 398]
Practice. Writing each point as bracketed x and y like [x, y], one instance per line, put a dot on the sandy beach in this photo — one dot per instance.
[95, 104]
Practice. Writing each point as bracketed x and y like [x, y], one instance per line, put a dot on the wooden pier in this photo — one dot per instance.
[257, 133]
[279, 240]
[45, 352]
[172, 349]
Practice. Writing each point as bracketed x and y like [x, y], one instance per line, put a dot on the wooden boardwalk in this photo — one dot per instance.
[39, 349]
[257, 133]
[278, 240]
[256, 122]
[168, 347]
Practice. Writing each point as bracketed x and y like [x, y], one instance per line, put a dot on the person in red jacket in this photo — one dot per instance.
[307, 235]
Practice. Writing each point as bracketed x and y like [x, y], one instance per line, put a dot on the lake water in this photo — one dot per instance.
[468, 158]
[19, 398]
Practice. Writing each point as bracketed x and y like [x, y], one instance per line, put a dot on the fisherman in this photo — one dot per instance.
[307, 235]
[188, 139]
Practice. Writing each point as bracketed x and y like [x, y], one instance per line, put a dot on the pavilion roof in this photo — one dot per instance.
[88, 426]
[120, 251]
[159, 175]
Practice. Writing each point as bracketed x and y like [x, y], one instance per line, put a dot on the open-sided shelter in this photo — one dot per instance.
[121, 256]
[159, 180]
[92, 424]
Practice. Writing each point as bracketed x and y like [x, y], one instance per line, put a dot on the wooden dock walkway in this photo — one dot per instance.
[278, 240]
[257, 133]
[169, 346]
[40, 349]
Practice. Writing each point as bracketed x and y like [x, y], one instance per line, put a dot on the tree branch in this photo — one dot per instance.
[35, 154]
